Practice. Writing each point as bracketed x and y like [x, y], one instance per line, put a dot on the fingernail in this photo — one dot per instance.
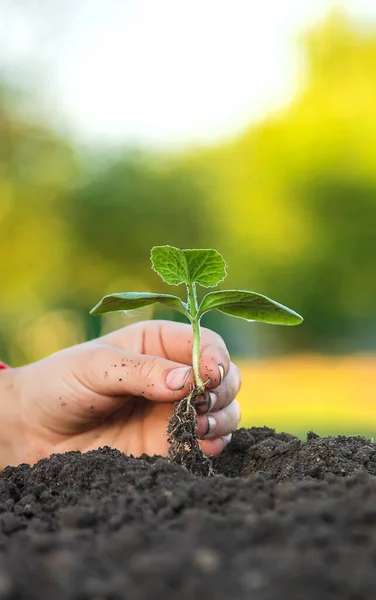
[212, 401]
[206, 403]
[176, 378]
[227, 439]
[221, 373]
[212, 424]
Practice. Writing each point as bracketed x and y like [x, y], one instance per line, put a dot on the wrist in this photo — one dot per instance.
[9, 414]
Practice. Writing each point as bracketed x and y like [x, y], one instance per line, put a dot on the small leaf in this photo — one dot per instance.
[250, 306]
[175, 266]
[132, 300]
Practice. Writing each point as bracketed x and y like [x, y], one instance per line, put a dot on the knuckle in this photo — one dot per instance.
[238, 413]
[237, 376]
[234, 413]
[212, 338]
[95, 355]
[147, 369]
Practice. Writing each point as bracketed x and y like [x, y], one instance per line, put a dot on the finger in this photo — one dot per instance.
[174, 341]
[214, 365]
[215, 446]
[220, 423]
[113, 372]
[223, 395]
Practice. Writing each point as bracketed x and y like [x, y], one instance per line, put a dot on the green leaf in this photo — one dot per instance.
[175, 266]
[132, 300]
[250, 306]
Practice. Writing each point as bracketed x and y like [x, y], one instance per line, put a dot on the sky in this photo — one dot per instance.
[161, 73]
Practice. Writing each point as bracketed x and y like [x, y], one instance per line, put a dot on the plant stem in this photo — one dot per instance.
[195, 320]
[196, 354]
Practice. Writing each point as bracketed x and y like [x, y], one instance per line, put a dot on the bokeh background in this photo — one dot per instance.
[245, 126]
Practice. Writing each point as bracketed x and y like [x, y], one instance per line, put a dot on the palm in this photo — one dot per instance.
[138, 427]
[79, 421]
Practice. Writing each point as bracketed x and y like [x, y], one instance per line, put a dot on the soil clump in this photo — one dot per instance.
[281, 520]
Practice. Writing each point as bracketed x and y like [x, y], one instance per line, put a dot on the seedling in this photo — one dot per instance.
[206, 268]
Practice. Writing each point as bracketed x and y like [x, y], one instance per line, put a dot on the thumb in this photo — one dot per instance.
[115, 372]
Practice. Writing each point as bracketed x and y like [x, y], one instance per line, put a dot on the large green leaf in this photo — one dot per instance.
[132, 300]
[250, 306]
[175, 266]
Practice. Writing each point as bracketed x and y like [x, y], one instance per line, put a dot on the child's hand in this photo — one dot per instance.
[117, 391]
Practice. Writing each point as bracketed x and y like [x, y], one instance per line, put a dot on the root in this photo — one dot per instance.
[184, 448]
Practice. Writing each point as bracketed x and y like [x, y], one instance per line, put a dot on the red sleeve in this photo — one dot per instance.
[3, 366]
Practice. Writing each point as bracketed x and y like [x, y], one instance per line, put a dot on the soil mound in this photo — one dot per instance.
[286, 458]
[282, 519]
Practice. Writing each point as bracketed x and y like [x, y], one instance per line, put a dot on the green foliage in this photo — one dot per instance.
[133, 300]
[291, 203]
[297, 194]
[36, 167]
[138, 200]
[250, 306]
[205, 267]
[175, 266]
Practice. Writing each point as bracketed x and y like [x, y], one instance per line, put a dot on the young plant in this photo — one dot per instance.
[206, 268]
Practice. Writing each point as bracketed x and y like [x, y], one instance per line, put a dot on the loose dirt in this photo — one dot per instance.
[282, 520]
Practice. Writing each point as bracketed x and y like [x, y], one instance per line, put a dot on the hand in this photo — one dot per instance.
[116, 391]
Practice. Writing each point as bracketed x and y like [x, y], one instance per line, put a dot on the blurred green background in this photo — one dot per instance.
[289, 199]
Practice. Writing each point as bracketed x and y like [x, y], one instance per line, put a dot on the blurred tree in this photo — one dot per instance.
[69, 234]
[120, 212]
[298, 195]
[36, 167]
[291, 204]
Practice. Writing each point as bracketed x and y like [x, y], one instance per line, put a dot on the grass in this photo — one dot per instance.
[330, 395]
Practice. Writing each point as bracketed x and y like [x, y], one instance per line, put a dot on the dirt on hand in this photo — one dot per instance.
[282, 520]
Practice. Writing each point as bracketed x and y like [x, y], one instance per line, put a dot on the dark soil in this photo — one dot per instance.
[283, 520]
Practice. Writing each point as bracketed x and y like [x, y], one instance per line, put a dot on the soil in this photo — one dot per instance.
[182, 436]
[282, 520]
